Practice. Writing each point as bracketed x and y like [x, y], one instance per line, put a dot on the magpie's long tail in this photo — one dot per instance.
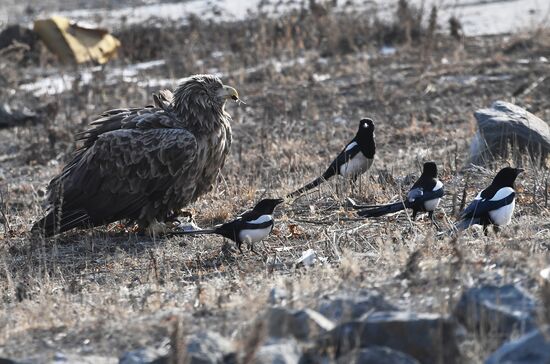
[459, 226]
[192, 232]
[316, 182]
[466, 223]
[382, 210]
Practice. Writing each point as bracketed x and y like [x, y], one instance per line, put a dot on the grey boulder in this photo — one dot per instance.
[532, 348]
[278, 351]
[209, 348]
[429, 338]
[498, 310]
[504, 123]
[300, 324]
[346, 306]
[376, 355]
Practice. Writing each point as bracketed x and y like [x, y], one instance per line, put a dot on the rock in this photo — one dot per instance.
[505, 123]
[10, 117]
[283, 351]
[20, 39]
[497, 309]
[302, 325]
[345, 306]
[209, 348]
[307, 259]
[277, 296]
[532, 348]
[145, 356]
[7, 361]
[376, 355]
[545, 274]
[429, 338]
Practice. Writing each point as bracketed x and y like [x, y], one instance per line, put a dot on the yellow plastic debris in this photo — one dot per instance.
[74, 43]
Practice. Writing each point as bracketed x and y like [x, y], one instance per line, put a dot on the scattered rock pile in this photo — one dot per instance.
[365, 328]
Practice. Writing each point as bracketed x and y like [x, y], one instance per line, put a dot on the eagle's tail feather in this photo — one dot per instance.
[382, 210]
[52, 223]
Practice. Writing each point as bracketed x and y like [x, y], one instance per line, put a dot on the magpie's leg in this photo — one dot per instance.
[485, 229]
[496, 229]
[251, 248]
[415, 211]
[171, 217]
[432, 218]
[240, 248]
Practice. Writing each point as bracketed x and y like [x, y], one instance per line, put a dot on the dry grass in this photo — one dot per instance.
[102, 292]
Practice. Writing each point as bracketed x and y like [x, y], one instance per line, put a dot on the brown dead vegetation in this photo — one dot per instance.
[307, 80]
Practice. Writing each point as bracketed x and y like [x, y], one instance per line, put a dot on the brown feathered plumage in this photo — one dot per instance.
[143, 164]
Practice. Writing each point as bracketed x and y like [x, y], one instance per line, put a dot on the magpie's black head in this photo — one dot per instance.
[430, 170]
[266, 206]
[365, 137]
[367, 124]
[506, 177]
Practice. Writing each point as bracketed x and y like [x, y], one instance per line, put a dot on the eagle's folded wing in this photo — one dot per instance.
[127, 170]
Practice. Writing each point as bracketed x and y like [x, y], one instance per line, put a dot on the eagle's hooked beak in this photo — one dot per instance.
[229, 92]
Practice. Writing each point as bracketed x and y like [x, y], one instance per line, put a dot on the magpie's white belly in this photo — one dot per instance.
[355, 166]
[254, 235]
[503, 215]
[431, 205]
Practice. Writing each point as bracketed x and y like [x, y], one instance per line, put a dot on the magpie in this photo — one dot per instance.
[250, 227]
[355, 159]
[424, 196]
[494, 205]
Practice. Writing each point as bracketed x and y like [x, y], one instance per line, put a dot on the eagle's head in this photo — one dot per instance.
[203, 93]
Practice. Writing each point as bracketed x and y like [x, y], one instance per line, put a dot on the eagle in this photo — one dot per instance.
[143, 165]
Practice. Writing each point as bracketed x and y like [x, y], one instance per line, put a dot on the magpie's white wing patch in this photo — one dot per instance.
[261, 219]
[414, 194]
[438, 185]
[350, 146]
[500, 207]
[502, 193]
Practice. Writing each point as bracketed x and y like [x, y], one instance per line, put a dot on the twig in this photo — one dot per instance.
[533, 86]
[5, 221]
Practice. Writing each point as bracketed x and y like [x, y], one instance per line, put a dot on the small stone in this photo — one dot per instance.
[499, 310]
[277, 296]
[376, 355]
[209, 348]
[145, 356]
[282, 351]
[531, 348]
[545, 274]
[303, 324]
[345, 306]
[308, 258]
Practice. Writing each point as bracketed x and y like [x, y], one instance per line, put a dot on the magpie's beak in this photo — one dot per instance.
[520, 170]
[228, 92]
[278, 201]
